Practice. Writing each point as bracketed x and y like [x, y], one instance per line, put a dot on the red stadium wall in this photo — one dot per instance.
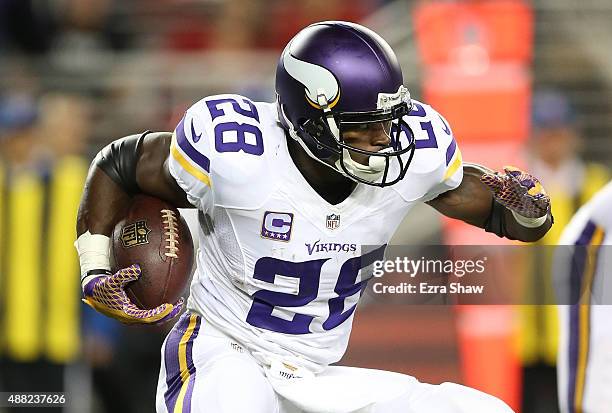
[476, 59]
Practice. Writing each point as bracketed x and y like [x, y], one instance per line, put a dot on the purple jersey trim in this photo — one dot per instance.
[189, 150]
[450, 151]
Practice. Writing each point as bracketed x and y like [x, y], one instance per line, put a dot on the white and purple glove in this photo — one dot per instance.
[521, 193]
[105, 293]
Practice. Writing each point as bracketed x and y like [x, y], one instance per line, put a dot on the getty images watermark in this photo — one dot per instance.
[489, 274]
[426, 274]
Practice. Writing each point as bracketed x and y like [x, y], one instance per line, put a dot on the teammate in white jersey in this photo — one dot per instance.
[582, 270]
[288, 194]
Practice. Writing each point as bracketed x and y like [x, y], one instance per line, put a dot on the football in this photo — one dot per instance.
[154, 235]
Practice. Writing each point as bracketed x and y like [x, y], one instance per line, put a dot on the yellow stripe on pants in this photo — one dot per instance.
[584, 314]
[184, 368]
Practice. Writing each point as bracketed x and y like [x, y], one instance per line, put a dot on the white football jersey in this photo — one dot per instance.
[279, 269]
[596, 211]
[582, 263]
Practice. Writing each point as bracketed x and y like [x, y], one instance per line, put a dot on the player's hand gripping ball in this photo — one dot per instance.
[152, 260]
[107, 295]
[518, 191]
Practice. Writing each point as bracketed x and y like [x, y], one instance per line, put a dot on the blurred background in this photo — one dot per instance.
[527, 83]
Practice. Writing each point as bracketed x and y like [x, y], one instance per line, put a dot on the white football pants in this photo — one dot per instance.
[203, 371]
[584, 361]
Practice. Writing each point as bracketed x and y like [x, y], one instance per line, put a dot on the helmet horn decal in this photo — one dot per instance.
[316, 79]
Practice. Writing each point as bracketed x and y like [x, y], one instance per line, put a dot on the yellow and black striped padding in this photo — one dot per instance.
[39, 271]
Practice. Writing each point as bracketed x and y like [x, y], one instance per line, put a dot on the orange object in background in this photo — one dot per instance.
[489, 360]
[504, 28]
[476, 57]
[490, 106]
[486, 334]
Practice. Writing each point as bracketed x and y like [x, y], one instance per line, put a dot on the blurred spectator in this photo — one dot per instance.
[240, 24]
[244, 24]
[110, 349]
[85, 28]
[27, 25]
[289, 17]
[554, 158]
[554, 150]
[64, 125]
[42, 170]
[39, 26]
[39, 326]
[18, 116]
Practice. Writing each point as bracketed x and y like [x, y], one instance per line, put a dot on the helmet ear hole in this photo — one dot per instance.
[313, 128]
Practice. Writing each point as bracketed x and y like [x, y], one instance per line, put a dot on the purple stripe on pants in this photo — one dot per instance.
[171, 359]
[191, 368]
[578, 264]
[573, 357]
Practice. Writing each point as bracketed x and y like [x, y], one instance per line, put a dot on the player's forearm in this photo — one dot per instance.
[475, 204]
[101, 207]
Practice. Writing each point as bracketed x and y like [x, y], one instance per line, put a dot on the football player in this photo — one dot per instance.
[340, 157]
[582, 273]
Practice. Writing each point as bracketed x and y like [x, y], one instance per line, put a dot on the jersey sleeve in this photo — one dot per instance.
[452, 169]
[189, 160]
[437, 165]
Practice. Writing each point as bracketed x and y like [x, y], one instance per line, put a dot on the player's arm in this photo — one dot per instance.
[131, 165]
[512, 205]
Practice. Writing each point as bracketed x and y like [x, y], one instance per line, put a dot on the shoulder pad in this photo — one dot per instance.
[436, 159]
[236, 139]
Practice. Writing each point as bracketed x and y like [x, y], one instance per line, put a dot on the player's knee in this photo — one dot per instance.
[469, 400]
[235, 385]
[443, 398]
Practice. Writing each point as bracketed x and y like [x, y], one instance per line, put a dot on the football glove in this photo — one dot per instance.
[106, 294]
[518, 191]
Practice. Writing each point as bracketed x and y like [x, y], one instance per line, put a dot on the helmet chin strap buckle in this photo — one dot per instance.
[331, 121]
[322, 100]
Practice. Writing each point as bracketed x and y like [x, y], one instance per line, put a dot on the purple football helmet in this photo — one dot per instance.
[335, 77]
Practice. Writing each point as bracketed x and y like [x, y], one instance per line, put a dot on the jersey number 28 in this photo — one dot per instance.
[308, 273]
[234, 136]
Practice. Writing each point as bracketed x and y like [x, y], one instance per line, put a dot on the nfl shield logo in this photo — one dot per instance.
[333, 221]
[134, 234]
